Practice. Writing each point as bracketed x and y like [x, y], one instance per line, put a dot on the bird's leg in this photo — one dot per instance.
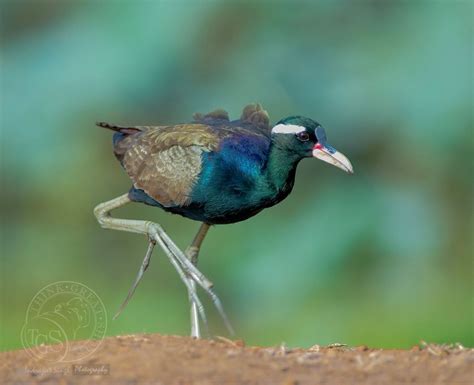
[102, 213]
[186, 270]
[199, 278]
[192, 252]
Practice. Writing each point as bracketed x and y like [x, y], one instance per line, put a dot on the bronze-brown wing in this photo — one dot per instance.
[255, 114]
[218, 114]
[252, 113]
[166, 161]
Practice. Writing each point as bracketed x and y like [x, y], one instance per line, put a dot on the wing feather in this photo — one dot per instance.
[165, 161]
[218, 114]
[255, 114]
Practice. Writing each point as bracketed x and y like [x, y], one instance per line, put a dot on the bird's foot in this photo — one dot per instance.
[141, 271]
[189, 274]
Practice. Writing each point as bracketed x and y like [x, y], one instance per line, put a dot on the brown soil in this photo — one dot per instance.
[156, 359]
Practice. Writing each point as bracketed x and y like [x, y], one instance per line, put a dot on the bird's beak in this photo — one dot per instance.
[330, 155]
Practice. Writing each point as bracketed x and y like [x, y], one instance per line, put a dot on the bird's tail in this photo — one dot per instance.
[121, 132]
[121, 129]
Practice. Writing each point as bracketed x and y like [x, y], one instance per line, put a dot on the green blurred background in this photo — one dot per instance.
[382, 258]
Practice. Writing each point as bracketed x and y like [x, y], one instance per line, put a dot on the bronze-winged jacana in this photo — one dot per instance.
[212, 170]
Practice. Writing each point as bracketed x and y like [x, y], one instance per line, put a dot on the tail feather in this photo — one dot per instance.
[121, 129]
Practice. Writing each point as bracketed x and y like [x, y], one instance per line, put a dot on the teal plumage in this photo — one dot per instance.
[214, 170]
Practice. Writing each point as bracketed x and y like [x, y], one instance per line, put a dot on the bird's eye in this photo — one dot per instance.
[302, 136]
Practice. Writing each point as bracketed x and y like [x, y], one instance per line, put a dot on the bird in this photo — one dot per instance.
[212, 170]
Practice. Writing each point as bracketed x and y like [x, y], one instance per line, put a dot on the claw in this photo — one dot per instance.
[143, 267]
[218, 304]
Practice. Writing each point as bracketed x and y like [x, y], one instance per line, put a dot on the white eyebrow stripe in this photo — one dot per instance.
[287, 129]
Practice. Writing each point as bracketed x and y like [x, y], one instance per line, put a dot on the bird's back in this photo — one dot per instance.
[198, 169]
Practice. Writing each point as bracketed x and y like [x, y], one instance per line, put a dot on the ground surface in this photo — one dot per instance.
[155, 359]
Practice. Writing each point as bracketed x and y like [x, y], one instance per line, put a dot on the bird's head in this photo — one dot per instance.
[307, 138]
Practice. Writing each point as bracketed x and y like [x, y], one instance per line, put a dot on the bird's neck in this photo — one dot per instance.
[281, 167]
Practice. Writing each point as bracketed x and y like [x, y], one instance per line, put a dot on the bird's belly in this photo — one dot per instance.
[218, 211]
[217, 208]
[230, 204]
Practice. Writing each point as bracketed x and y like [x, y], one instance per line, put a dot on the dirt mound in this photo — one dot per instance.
[156, 359]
